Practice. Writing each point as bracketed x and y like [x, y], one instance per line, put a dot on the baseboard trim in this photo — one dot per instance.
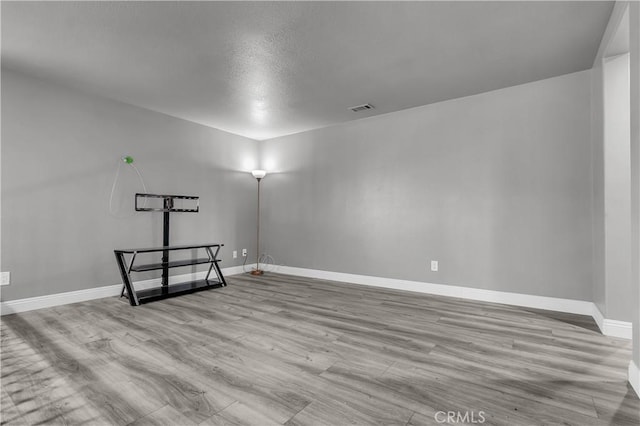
[51, 300]
[598, 317]
[608, 327]
[539, 302]
[615, 328]
[634, 377]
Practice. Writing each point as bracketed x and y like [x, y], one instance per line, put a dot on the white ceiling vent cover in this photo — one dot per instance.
[361, 107]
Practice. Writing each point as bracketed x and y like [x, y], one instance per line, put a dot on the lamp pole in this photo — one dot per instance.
[258, 174]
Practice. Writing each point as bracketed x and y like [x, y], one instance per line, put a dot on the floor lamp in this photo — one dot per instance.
[258, 174]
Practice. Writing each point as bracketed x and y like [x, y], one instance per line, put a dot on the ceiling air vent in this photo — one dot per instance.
[361, 107]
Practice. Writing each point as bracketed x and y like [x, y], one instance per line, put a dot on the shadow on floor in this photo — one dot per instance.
[583, 321]
[44, 383]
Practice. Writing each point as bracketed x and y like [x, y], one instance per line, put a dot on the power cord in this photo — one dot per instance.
[264, 260]
[129, 161]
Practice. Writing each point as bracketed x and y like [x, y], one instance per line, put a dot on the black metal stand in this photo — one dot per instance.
[168, 205]
[164, 291]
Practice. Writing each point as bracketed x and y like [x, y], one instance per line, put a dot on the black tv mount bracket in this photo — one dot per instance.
[167, 207]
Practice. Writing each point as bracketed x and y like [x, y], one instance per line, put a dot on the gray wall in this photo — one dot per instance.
[617, 190]
[615, 298]
[496, 186]
[611, 188]
[615, 223]
[597, 155]
[60, 150]
[634, 17]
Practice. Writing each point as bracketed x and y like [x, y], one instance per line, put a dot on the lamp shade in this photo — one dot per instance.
[258, 174]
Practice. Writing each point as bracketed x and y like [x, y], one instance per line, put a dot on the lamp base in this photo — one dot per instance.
[257, 272]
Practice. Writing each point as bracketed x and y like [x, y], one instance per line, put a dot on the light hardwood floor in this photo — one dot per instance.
[286, 350]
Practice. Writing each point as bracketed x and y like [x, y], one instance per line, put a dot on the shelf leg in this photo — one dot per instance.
[219, 274]
[209, 272]
[126, 280]
[168, 204]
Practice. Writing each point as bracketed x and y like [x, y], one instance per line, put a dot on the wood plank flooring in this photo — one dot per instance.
[278, 349]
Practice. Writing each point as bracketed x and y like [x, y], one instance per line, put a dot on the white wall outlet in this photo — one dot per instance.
[434, 266]
[6, 278]
[244, 252]
[235, 254]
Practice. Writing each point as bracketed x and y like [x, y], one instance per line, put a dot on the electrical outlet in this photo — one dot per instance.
[6, 278]
[235, 254]
[434, 266]
[244, 252]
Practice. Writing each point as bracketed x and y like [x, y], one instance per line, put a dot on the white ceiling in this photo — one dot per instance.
[266, 69]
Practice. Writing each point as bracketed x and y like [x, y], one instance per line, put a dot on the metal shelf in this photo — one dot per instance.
[167, 248]
[159, 293]
[127, 266]
[172, 264]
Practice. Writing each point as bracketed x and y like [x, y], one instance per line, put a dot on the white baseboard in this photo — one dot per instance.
[615, 328]
[50, 300]
[607, 326]
[539, 302]
[598, 317]
[40, 302]
[634, 377]
[610, 327]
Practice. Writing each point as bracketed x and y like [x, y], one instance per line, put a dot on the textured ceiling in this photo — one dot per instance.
[266, 69]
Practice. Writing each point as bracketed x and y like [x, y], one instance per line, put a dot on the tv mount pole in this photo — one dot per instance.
[167, 208]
